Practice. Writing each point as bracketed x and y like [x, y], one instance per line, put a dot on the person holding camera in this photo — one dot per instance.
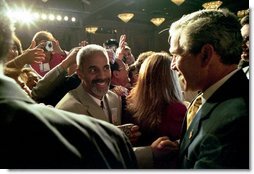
[53, 51]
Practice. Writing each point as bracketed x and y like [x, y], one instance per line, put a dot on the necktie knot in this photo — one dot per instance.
[192, 110]
[198, 101]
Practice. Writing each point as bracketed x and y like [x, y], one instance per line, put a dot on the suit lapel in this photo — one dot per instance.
[108, 108]
[194, 128]
[93, 108]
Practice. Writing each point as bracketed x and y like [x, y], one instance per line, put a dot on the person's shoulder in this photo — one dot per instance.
[112, 94]
[74, 95]
[89, 123]
[177, 105]
[55, 115]
[68, 98]
[176, 109]
[21, 110]
[33, 114]
[71, 104]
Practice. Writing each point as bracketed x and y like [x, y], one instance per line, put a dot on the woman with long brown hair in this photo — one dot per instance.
[155, 102]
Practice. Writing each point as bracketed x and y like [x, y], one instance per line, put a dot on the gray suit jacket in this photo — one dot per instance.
[218, 136]
[54, 85]
[78, 101]
[34, 136]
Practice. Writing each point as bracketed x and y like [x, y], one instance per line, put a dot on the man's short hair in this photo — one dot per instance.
[89, 51]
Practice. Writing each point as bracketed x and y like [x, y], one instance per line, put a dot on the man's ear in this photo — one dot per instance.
[207, 52]
[80, 74]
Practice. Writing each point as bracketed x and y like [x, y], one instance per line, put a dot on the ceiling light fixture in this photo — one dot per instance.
[157, 21]
[91, 29]
[212, 5]
[125, 17]
[178, 2]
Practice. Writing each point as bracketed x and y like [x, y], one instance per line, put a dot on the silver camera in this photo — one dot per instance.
[49, 46]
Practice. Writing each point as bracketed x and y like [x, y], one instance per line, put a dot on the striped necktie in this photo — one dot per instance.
[192, 110]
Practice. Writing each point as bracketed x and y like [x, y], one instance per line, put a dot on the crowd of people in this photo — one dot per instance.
[97, 106]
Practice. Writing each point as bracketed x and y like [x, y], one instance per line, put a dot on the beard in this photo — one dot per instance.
[100, 92]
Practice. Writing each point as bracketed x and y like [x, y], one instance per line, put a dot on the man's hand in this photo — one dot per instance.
[164, 147]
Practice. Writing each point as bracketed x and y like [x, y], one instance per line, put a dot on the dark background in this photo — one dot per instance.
[142, 35]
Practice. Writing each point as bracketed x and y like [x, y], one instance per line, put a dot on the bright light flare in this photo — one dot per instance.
[36, 16]
[52, 17]
[26, 16]
[66, 18]
[21, 16]
[44, 16]
[73, 19]
[59, 17]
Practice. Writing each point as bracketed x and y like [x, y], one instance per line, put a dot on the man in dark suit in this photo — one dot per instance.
[206, 49]
[39, 137]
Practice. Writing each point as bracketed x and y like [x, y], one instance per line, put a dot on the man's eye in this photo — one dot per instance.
[107, 68]
[92, 70]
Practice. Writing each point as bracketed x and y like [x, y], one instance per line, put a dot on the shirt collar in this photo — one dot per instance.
[209, 92]
[98, 101]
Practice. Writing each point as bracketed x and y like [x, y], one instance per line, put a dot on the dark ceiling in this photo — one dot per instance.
[92, 11]
[142, 34]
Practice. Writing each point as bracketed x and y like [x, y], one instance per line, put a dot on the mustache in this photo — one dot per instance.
[100, 80]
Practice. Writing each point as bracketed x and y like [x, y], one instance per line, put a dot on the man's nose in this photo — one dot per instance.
[101, 74]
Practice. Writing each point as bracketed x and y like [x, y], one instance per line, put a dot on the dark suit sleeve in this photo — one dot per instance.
[34, 136]
[226, 145]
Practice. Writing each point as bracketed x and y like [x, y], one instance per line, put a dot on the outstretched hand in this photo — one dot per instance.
[121, 49]
[163, 147]
[34, 54]
[164, 143]
[70, 60]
